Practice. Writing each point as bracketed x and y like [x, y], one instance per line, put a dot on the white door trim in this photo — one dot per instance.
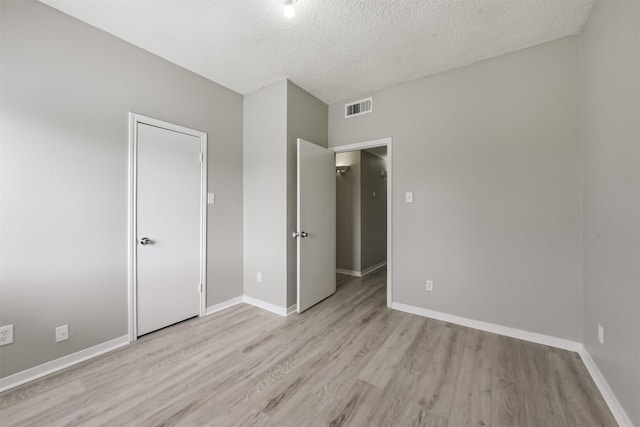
[388, 142]
[134, 119]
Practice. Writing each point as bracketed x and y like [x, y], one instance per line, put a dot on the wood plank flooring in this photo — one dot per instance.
[349, 361]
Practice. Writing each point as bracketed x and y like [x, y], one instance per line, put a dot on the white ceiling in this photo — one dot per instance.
[335, 49]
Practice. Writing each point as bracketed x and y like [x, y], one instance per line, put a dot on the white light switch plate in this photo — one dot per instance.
[211, 198]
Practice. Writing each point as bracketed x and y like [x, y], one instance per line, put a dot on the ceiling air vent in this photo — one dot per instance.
[358, 108]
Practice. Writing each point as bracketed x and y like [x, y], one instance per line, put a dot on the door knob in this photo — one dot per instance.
[145, 241]
[303, 234]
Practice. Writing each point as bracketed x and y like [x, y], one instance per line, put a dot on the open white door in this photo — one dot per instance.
[316, 224]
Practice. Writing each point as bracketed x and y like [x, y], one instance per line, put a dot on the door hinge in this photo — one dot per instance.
[201, 287]
[202, 157]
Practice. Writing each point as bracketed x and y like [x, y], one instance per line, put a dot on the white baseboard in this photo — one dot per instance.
[349, 272]
[614, 405]
[47, 368]
[252, 301]
[224, 304]
[491, 327]
[612, 401]
[266, 306]
[255, 302]
[61, 363]
[363, 272]
[292, 309]
[374, 268]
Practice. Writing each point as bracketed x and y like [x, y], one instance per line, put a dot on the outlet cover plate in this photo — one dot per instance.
[6, 335]
[62, 333]
[408, 197]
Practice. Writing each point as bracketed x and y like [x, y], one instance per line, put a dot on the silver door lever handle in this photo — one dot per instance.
[145, 241]
[302, 234]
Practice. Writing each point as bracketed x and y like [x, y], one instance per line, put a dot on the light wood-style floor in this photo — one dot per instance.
[349, 361]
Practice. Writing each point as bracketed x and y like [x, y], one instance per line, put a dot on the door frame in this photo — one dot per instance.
[388, 142]
[134, 120]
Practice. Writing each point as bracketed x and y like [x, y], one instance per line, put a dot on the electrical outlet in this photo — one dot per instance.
[259, 277]
[600, 334]
[408, 197]
[429, 286]
[62, 333]
[6, 335]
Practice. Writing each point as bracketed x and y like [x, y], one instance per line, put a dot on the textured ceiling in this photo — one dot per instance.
[335, 49]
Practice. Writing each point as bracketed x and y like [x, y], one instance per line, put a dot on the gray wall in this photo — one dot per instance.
[491, 153]
[274, 117]
[66, 91]
[374, 211]
[307, 118]
[610, 135]
[265, 193]
[348, 202]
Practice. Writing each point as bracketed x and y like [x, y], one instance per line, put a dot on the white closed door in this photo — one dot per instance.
[168, 227]
[316, 232]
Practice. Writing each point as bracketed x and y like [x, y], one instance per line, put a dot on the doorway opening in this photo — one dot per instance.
[363, 209]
